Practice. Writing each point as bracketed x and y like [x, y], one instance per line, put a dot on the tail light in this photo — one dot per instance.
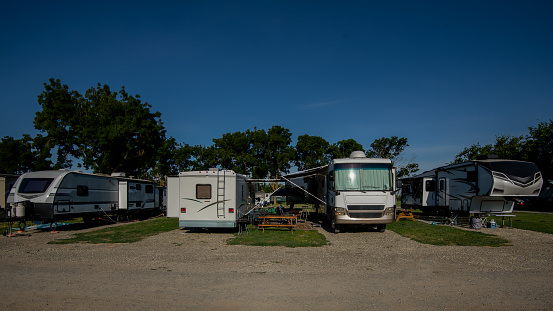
[231, 210]
[183, 209]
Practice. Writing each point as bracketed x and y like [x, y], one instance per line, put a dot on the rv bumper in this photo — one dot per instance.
[346, 220]
[207, 224]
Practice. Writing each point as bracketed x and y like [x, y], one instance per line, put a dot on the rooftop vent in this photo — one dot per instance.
[118, 174]
[357, 154]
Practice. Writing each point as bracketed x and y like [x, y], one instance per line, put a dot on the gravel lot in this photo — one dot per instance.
[198, 271]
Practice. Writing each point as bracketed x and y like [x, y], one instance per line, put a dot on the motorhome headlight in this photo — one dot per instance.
[340, 211]
[389, 211]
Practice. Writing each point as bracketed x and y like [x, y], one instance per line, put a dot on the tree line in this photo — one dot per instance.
[113, 131]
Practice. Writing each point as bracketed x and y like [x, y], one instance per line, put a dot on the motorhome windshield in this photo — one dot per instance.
[35, 185]
[523, 172]
[363, 177]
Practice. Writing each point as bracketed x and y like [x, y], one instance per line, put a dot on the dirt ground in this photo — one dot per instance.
[360, 270]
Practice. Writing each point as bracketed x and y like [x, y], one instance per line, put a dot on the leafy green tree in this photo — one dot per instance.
[23, 155]
[505, 147]
[539, 148]
[311, 152]
[392, 148]
[107, 131]
[278, 151]
[344, 148]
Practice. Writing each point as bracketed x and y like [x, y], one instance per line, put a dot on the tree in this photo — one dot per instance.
[539, 147]
[311, 152]
[505, 147]
[344, 148]
[23, 155]
[278, 152]
[107, 131]
[392, 148]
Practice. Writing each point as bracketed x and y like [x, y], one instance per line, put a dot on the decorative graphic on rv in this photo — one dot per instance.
[472, 186]
[201, 209]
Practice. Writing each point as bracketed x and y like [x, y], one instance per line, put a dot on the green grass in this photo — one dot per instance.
[127, 233]
[279, 237]
[530, 221]
[444, 235]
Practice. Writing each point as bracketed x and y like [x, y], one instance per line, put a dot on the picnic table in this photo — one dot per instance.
[278, 221]
[402, 213]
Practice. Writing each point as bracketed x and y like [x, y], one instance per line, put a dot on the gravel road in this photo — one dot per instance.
[180, 270]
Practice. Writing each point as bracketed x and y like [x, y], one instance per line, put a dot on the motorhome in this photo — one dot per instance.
[488, 185]
[355, 190]
[209, 199]
[54, 195]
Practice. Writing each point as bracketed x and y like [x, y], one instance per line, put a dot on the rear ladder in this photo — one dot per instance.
[220, 193]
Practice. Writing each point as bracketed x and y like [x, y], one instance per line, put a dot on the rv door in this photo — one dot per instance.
[442, 192]
[123, 195]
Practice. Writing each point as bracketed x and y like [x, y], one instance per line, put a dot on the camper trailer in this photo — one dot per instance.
[489, 185]
[419, 191]
[355, 190]
[54, 195]
[209, 199]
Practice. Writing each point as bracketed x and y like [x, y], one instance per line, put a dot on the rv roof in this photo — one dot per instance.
[362, 160]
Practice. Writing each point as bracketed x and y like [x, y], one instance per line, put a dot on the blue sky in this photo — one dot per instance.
[444, 74]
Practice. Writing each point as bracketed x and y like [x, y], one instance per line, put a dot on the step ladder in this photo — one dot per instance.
[220, 193]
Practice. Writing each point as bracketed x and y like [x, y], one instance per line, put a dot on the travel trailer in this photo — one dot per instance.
[355, 190]
[209, 199]
[54, 195]
[489, 185]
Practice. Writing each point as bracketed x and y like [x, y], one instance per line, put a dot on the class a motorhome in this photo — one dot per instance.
[209, 199]
[62, 194]
[488, 185]
[355, 190]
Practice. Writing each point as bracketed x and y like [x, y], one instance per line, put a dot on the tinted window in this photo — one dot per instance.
[149, 189]
[35, 185]
[82, 191]
[203, 191]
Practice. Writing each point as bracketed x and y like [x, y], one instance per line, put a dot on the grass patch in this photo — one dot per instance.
[444, 235]
[128, 233]
[279, 237]
[530, 221]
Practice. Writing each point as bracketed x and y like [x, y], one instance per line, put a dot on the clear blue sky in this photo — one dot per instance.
[444, 74]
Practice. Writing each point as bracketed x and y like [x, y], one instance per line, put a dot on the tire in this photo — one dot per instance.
[381, 228]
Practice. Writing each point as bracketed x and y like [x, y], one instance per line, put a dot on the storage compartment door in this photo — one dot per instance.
[123, 195]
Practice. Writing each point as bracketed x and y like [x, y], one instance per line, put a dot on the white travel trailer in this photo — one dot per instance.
[355, 190]
[480, 186]
[62, 194]
[209, 199]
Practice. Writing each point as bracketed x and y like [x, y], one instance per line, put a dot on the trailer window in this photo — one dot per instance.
[35, 185]
[430, 185]
[149, 189]
[363, 177]
[82, 191]
[203, 191]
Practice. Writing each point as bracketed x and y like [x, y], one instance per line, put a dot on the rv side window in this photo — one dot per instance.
[471, 176]
[442, 184]
[35, 185]
[82, 191]
[149, 189]
[430, 185]
[203, 191]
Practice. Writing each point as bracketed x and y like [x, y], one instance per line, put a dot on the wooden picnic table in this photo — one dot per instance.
[278, 221]
[405, 214]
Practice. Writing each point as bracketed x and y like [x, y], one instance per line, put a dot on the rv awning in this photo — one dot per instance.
[321, 170]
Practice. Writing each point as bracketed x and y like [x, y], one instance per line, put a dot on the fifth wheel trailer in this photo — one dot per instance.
[62, 194]
[209, 199]
[478, 186]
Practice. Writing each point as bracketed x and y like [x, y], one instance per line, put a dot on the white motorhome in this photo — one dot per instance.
[209, 199]
[62, 194]
[355, 190]
[480, 186]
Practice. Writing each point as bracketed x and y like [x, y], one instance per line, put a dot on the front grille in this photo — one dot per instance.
[365, 215]
[366, 207]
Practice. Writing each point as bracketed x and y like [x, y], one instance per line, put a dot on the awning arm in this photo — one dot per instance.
[288, 180]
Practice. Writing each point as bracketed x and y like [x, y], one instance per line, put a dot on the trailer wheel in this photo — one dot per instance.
[22, 225]
[121, 217]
